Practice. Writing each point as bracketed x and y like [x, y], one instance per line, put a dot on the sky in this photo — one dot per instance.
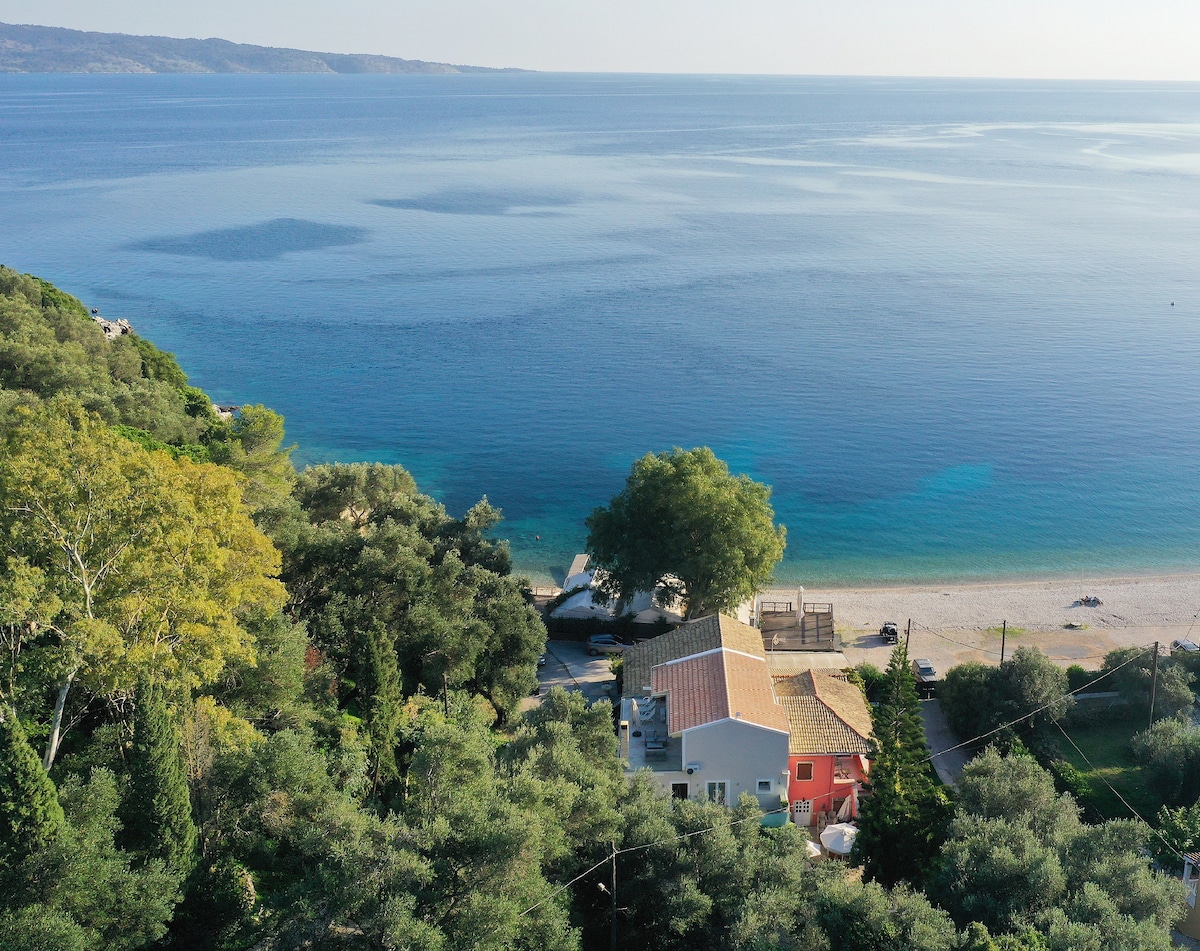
[1060, 39]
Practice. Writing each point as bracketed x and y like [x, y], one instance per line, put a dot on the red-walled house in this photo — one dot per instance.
[830, 727]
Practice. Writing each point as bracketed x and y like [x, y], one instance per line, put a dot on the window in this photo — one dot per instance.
[804, 772]
[679, 790]
[841, 770]
[765, 785]
[718, 792]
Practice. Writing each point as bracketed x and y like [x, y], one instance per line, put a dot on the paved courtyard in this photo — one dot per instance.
[568, 665]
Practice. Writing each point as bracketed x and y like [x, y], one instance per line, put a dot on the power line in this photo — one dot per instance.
[1043, 707]
[985, 650]
[1124, 801]
[648, 845]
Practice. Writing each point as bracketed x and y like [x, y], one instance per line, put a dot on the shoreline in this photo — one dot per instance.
[1129, 601]
[957, 623]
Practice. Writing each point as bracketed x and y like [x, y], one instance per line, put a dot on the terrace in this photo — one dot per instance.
[645, 743]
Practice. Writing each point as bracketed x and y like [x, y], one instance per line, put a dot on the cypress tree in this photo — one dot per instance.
[382, 701]
[30, 815]
[157, 810]
[900, 827]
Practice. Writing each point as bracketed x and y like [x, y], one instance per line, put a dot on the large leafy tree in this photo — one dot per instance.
[142, 564]
[683, 521]
[901, 827]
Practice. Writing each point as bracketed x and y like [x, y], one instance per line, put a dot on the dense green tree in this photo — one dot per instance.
[30, 815]
[383, 699]
[376, 563]
[1018, 858]
[685, 523]
[568, 746]
[352, 492]
[901, 825]
[83, 892]
[978, 699]
[254, 447]
[1131, 673]
[146, 563]
[968, 695]
[157, 809]
[1178, 834]
[1169, 753]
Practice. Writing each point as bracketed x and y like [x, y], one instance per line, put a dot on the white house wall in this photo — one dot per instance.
[739, 754]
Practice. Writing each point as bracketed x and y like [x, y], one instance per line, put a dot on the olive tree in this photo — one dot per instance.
[684, 522]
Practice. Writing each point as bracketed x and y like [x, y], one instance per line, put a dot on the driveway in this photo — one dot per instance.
[569, 666]
[938, 736]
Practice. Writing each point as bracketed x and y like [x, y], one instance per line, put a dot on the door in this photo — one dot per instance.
[802, 812]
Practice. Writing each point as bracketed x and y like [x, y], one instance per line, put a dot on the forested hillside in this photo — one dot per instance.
[242, 707]
[51, 49]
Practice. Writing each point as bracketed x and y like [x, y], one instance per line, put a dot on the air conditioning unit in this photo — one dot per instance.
[692, 768]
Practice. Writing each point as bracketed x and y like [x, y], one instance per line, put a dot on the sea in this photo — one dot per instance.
[954, 323]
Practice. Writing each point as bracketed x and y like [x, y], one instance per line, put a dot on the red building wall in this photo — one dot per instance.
[826, 788]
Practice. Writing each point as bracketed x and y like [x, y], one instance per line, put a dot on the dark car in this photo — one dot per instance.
[1185, 647]
[926, 676]
[889, 632]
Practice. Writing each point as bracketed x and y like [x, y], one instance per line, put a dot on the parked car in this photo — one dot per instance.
[604, 644]
[889, 632]
[1185, 647]
[926, 676]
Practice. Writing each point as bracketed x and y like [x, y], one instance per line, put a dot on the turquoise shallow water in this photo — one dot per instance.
[956, 325]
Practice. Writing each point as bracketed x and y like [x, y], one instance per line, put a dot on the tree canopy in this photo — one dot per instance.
[684, 522]
[135, 563]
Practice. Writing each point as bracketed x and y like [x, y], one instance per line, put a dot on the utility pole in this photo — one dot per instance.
[907, 636]
[1153, 682]
[1003, 638]
[612, 934]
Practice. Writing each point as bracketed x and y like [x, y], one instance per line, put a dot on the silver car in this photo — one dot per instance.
[604, 644]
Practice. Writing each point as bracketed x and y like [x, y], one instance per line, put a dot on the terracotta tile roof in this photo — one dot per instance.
[825, 712]
[695, 637]
[719, 685]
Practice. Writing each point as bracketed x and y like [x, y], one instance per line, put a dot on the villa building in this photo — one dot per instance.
[703, 712]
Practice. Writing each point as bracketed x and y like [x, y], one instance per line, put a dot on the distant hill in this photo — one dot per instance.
[51, 49]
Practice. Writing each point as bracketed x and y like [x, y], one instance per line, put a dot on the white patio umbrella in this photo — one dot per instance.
[814, 850]
[838, 838]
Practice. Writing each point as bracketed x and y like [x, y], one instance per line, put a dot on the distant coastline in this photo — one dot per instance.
[47, 49]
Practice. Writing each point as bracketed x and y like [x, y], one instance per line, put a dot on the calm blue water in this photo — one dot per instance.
[935, 315]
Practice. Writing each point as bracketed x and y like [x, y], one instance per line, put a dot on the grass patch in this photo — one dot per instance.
[1012, 631]
[1107, 746]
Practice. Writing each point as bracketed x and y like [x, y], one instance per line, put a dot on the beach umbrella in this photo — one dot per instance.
[814, 850]
[838, 838]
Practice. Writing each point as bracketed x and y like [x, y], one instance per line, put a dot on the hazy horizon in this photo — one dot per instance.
[1058, 39]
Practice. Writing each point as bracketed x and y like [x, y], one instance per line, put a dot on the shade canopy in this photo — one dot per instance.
[839, 838]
